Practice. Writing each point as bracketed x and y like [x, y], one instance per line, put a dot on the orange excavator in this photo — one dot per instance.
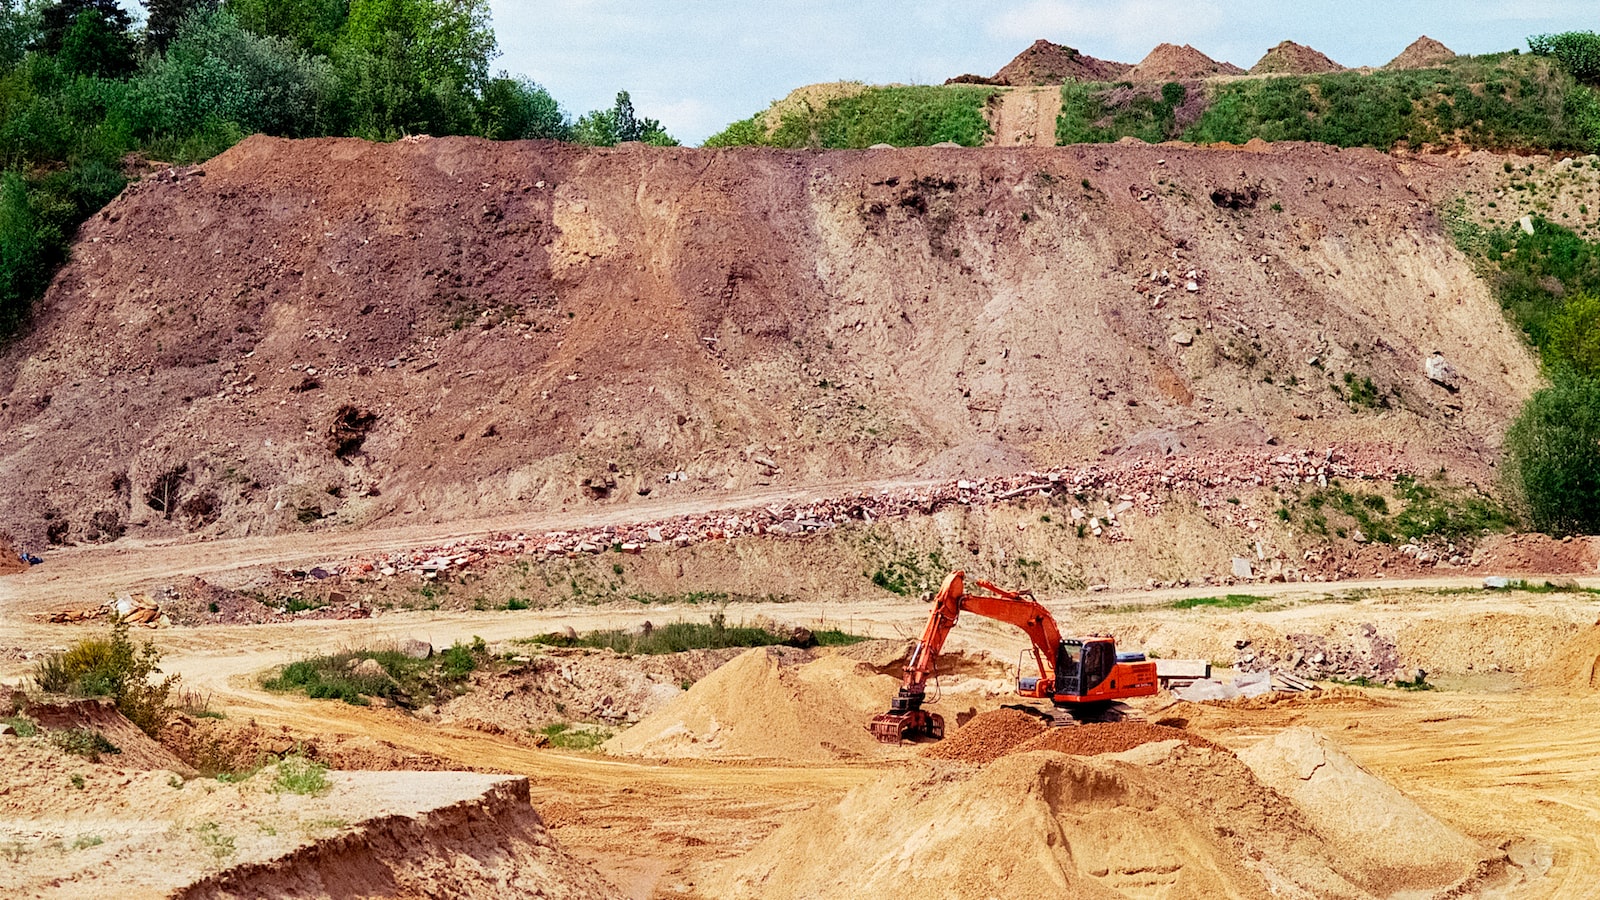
[1085, 678]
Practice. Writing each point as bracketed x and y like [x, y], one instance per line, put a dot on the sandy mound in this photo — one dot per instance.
[135, 748]
[756, 707]
[1170, 62]
[1424, 53]
[1183, 822]
[132, 833]
[1575, 666]
[1045, 63]
[1003, 732]
[813, 96]
[1351, 809]
[1289, 58]
[1109, 737]
[10, 562]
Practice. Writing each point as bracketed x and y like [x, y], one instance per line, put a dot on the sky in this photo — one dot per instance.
[698, 65]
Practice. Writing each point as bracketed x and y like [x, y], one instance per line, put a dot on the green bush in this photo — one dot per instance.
[751, 132]
[1553, 455]
[112, 667]
[563, 736]
[681, 636]
[1575, 336]
[298, 775]
[513, 109]
[1577, 51]
[404, 681]
[1103, 113]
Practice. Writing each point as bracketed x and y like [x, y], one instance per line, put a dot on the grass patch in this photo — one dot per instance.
[1397, 684]
[85, 742]
[298, 775]
[1546, 587]
[1098, 113]
[564, 736]
[678, 637]
[1227, 601]
[1418, 510]
[22, 725]
[398, 678]
[902, 116]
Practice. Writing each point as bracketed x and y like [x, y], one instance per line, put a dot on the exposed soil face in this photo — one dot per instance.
[525, 326]
[1289, 58]
[1171, 62]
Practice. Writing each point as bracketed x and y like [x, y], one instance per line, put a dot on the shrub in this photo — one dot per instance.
[1575, 336]
[902, 116]
[563, 736]
[404, 681]
[113, 667]
[681, 636]
[1553, 451]
[1577, 51]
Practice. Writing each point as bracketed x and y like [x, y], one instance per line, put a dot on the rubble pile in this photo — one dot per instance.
[1100, 497]
[1364, 654]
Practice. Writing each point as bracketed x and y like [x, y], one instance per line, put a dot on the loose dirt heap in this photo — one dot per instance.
[987, 737]
[1045, 63]
[1095, 738]
[10, 562]
[1170, 62]
[755, 707]
[532, 325]
[1575, 666]
[76, 829]
[585, 686]
[1169, 820]
[1384, 837]
[134, 748]
[1289, 58]
[1424, 53]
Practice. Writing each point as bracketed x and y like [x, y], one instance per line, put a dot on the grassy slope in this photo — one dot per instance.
[902, 116]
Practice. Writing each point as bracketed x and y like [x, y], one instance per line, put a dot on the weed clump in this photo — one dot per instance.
[357, 676]
[298, 775]
[112, 667]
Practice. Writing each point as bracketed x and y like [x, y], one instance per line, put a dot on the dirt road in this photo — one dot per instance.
[1027, 117]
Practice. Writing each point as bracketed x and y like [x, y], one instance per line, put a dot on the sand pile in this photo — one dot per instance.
[1351, 810]
[1170, 62]
[988, 737]
[1045, 63]
[1424, 53]
[1166, 820]
[1575, 666]
[1096, 738]
[755, 707]
[1289, 58]
[77, 829]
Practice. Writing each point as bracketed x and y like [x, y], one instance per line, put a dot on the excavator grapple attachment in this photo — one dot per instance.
[892, 728]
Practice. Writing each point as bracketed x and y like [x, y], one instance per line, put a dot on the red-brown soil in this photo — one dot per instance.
[987, 737]
[1045, 63]
[1424, 53]
[515, 327]
[1289, 58]
[10, 562]
[1170, 62]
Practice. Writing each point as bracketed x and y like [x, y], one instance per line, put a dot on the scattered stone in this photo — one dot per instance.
[1242, 568]
[415, 649]
[1440, 372]
[369, 668]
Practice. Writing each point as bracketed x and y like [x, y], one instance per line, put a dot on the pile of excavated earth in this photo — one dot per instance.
[1292, 815]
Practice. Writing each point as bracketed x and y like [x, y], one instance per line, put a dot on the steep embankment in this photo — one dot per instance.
[333, 332]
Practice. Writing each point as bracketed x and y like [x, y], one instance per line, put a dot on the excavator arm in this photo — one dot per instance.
[906, 717]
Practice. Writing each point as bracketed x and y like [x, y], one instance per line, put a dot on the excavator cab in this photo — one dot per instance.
[1082, 665]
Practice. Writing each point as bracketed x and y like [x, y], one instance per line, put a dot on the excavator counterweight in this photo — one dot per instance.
[1083, 677]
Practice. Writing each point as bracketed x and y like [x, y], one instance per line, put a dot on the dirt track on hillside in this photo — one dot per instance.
[1027, 117]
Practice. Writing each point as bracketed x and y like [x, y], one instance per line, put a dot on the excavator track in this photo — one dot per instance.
[1086, 713]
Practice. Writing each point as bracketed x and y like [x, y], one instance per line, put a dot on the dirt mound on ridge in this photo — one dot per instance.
[755, 707]
[1165, 820]
[1046, 63]
[1424, 53]
[520, 327]
[1289, 58]
[1170, 62]
[10, 562]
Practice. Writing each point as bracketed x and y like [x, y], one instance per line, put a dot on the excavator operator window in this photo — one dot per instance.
[1068, 657]
[1098, 658]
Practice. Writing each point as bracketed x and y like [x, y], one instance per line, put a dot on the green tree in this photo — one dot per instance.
[163, 18]
[313, 24]
[19, 27]
[216, 73]
[415, 66]
[517, 109]
[90, 37]
[1553, 451]
[620, 124]
[1575, 336]
[24, 253]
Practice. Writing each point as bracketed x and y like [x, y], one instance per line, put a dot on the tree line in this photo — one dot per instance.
[82, 85]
